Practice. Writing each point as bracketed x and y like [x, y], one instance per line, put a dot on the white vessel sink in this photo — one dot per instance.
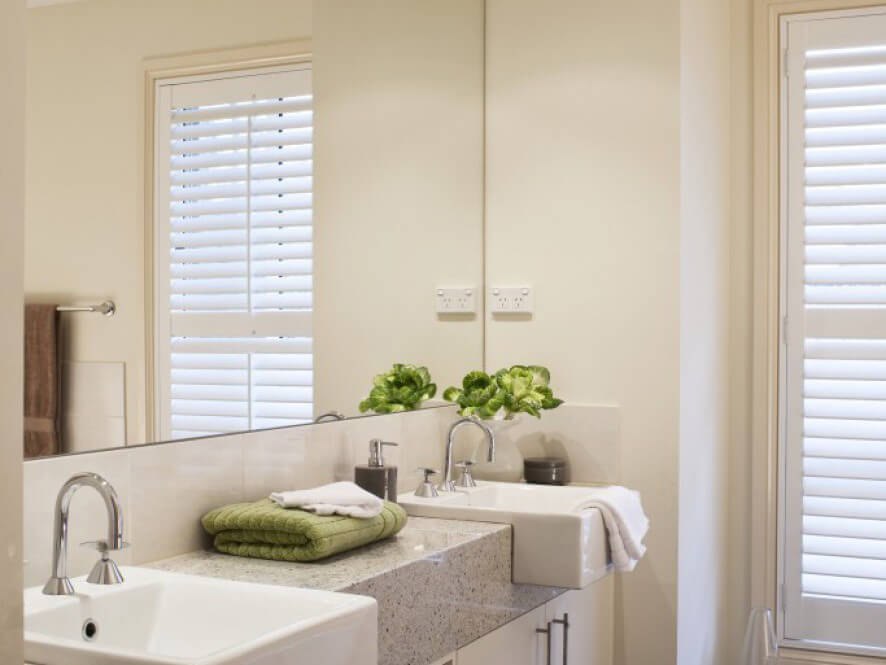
[161, 618]
[556, 542]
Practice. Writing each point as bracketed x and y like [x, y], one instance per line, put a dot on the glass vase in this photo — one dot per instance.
[760, 646]
[508, 464]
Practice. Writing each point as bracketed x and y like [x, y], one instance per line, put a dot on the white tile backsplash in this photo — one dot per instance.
[93, 405]
[173, 485]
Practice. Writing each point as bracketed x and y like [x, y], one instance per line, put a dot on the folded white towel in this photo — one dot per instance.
[626, 523]
[344, 498]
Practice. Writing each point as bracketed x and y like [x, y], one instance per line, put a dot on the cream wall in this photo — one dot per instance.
[85, 231]
[398, 194]
[12, 154]
[705, 174]
[583, 204]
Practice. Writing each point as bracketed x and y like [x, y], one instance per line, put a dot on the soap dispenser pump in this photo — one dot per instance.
[374, 476]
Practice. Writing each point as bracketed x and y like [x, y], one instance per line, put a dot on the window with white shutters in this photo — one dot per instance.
[233, 252]
[833, 378]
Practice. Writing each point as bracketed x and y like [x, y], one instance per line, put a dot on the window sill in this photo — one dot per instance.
[787, 656]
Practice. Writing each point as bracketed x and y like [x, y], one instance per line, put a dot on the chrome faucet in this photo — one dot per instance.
[448, 485]
[105, 570]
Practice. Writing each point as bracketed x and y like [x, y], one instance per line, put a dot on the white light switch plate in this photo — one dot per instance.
[456, 300]
[511, 300]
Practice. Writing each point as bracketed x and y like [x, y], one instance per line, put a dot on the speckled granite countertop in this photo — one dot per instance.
[440, 584]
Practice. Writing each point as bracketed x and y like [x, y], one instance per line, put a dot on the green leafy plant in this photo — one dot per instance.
[403, 388]
[475, 396]
[517, 389]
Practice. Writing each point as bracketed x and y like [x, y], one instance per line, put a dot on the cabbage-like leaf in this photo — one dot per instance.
[403, 388]
[541, 376]
[476, 380]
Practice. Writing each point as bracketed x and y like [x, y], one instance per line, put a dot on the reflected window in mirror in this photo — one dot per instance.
[233, 252]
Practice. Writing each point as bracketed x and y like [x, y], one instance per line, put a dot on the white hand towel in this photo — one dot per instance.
[342, 498]
[626, 523]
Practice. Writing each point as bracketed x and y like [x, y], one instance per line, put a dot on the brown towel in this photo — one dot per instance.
[42, 381]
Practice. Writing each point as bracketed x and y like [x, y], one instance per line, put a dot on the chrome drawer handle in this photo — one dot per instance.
[547, 632]
[565, 623]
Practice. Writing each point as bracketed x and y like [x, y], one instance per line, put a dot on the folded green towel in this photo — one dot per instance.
[264, 530]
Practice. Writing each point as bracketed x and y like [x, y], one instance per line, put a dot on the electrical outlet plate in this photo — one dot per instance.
[511, 300]
[456, 300]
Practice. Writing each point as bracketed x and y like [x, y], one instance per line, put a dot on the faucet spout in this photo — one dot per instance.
[448, 485]
[59, 584]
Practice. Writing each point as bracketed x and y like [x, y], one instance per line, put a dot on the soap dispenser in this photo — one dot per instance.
[375, 477]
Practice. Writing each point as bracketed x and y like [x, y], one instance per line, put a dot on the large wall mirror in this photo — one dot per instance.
[267, 193]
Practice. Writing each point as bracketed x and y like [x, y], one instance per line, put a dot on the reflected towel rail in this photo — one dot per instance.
[108, 308]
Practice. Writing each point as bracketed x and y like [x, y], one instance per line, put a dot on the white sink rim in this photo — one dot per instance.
[40, 644]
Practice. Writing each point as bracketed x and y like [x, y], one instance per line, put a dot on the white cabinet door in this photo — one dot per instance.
[516, 643]
[582, 625]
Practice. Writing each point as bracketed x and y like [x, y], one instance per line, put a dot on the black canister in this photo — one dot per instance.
[545, 470]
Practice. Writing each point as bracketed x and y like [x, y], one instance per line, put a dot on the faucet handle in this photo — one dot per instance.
[105, 570]
[102, 546]
[427, 471]
[426, 488]
[466, 479]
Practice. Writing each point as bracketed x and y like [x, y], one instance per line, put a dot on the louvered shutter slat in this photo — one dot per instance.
[844, 408]
[841, 116]
[844, 547]
[846, 174]
[274, 218]
[850, 488]
[845, 586]
[842, 428]
[241, 125]
[274, 185]
[830, 507]
[225, 142]
[841, 448]
[856, 214]
[237, 110]
[228, 157]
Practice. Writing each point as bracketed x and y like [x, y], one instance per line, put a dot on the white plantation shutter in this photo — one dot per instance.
[834, 370]
[233, 247]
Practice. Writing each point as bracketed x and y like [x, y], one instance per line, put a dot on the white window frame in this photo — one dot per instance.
[284, 53]
[793, 611]
[205, 67]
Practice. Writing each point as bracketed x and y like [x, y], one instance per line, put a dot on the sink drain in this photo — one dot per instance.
[90, 630]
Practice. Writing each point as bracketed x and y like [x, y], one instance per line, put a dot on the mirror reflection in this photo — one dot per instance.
[239, 213]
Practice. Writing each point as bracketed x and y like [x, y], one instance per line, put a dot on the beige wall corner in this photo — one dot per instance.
[705, 187]
[12, 195]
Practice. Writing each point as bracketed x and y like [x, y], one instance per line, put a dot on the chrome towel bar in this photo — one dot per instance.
[108, 308]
